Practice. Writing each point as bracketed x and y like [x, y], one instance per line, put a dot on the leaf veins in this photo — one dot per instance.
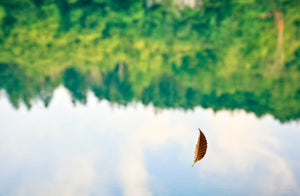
[201, 147]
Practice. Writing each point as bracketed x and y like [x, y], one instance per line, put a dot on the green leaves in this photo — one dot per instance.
[217, 55]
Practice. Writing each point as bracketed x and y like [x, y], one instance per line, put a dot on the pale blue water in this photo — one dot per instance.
[100, 149]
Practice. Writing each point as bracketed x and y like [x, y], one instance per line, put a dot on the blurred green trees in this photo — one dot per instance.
[221, 54]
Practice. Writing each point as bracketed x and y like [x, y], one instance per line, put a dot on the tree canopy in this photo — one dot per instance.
[221, 54]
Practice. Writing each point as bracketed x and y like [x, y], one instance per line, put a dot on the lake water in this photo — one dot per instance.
[105, 97]
[105, 149]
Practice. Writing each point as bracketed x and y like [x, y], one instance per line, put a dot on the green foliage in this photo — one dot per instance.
[222, 55]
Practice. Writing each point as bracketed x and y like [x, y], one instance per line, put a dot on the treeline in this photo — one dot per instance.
[54, 34]
[221, 54]
[166, 91]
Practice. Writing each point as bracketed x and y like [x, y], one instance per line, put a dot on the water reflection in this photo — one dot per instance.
[98, 149]
[162, 91]
[101, 97]
[215, 54]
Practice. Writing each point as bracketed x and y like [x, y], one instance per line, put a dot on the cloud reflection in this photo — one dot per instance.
[243, 145]
[103, 150]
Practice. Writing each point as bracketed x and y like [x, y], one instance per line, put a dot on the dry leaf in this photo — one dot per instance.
[201, 147]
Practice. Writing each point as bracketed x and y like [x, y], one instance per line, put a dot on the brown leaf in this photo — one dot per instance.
[201, 147]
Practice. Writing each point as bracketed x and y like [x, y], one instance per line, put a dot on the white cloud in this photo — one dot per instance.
[66, 150]
[241, 144]
[75, 176]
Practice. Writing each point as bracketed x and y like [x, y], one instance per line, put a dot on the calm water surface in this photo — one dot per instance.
[104, 149]
[105, 97]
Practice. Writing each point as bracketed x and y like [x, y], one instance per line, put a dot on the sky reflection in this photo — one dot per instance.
[99, 149]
